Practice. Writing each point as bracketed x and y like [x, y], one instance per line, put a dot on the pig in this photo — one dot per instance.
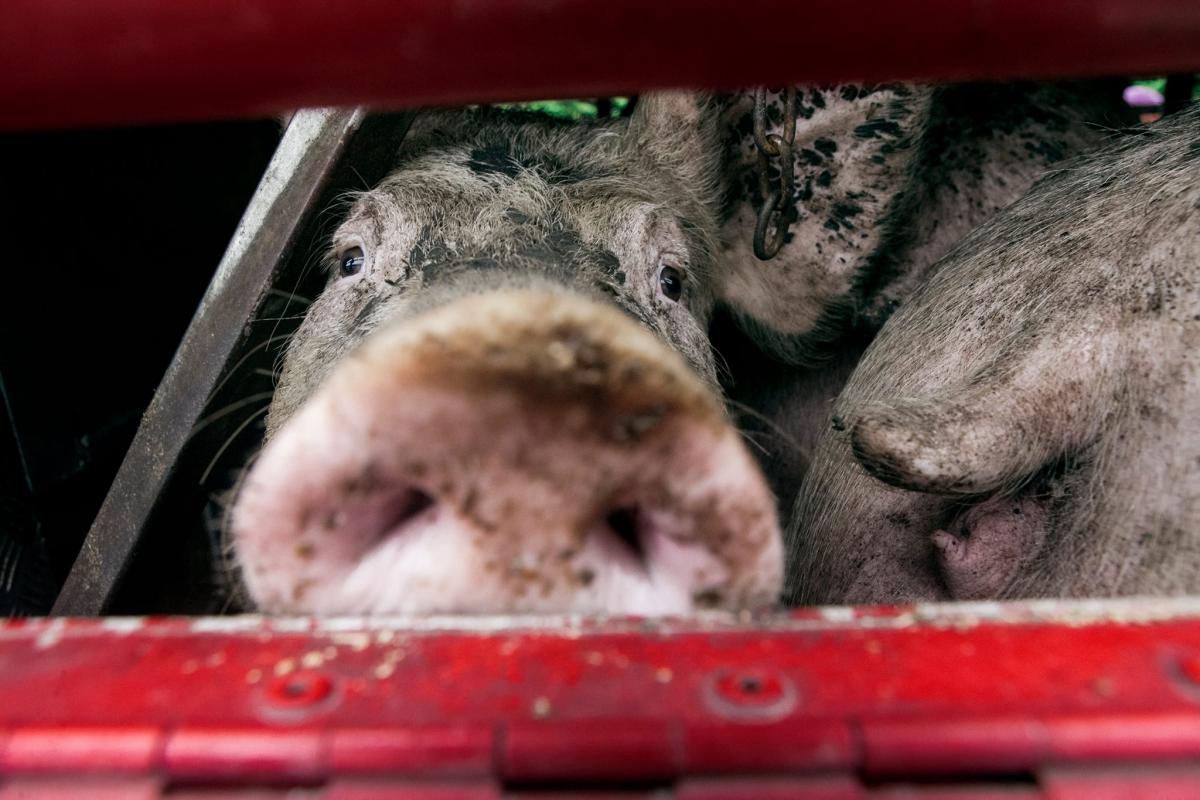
[506, 399]
[1025, 424]
[887, 179]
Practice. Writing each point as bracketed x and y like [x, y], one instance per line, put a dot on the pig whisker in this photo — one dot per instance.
[229, 409]
[290, 296]
[342, 202]
[287, 306]
[315, 257]
[748, 438]
[325, 220]
[365, 183]
[226, 566]
[228, 441]
[234, 593]
[265, 343]
[278, 319]
[724, 371]
[779, 432]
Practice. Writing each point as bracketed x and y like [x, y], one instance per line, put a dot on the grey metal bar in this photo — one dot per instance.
[284, 203]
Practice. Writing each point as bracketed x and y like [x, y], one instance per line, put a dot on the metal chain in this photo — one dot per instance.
[777, 202]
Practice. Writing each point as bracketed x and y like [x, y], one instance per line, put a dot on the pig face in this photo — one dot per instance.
[1024, 426]
[489, 200]
[504, 400]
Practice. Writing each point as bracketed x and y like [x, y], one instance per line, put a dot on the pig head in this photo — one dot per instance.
[504, 399]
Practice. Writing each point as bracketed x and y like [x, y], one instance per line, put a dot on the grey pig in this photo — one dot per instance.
[1026, 424]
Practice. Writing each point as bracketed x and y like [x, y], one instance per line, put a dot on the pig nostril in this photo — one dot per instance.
[624, 523]
[407, 506]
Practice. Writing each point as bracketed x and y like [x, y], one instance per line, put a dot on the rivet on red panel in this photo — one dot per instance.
[752, 693]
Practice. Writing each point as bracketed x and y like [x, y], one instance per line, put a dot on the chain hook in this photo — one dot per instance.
[777, 202]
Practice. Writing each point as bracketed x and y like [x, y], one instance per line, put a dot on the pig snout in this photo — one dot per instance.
[517, 451]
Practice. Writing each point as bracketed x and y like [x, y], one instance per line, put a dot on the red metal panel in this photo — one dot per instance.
[1136, 737]
[820, 745]
[1001, 791]
[998, 744]
[817, 787]
[251, 755]
[1123, 783]
[909, 702]
[644, 750]
[64, 62]
[1019, 742]
[76, 787]
[437, 751]
[134, 749]
[365, 790]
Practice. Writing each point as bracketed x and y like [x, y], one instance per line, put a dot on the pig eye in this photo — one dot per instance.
[670, 283]
[350, 261]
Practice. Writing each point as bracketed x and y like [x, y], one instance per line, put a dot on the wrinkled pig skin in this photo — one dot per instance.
[1025, 425]
[887, 179]
[505, 399]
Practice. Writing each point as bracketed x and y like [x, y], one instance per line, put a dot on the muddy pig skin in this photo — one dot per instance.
[505, 399]
[888, 178]
[1026, 424]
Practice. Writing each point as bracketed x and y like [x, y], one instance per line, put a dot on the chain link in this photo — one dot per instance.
[777, 201]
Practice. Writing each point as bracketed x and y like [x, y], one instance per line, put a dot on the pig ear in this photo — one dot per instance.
[855, 150]
[680, 131]
[998, 428]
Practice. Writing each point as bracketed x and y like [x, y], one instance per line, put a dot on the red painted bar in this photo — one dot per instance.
[120, 749]
[725, 706]
[100, 62]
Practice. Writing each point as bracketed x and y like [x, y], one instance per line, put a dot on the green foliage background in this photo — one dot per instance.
[569, 109]
[1160, 84]
[586, 109]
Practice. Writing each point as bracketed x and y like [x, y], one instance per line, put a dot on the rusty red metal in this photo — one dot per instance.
[1032, 700]
[129, 61]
